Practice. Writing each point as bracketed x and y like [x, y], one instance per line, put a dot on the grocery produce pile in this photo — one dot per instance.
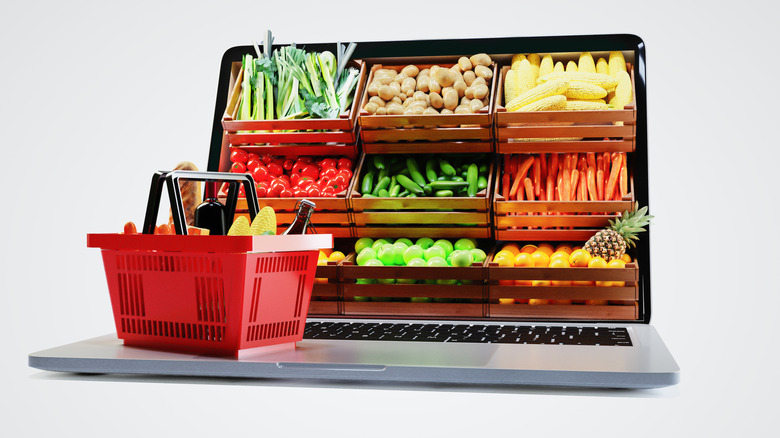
[462, 88]
[439, 175]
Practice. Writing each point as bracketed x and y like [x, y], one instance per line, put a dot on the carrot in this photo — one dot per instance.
[600, 184]
[575, 179]
[600, 162]
[543, 163]
[623, 176]
[607, 162]
[505, 178]
[512, 165]
[591, 158]
[552, 169]
[591, 176]
[559, 187]
[583, 190]
[550, 190]
[529, 189]
[566, 193]
[521, 173]
[613, 176]
[537, 176]
[582, 163]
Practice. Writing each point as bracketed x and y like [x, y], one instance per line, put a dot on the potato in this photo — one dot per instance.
[445, 77]
[469, 93]
[475, 105]
[480, 91]
[396, 88]
[373, 88]
[402, 96]
[480, 59]
[433, 86]
[430, 111]
[450, 99]
[410, 70]
[464, 100]
[468, 77]
[422, 84]
[478, 81]
[381, 111]
[407, 102]
[483, 72]
[377, 100]
[420, 96]
[464, 64]
[424, 72]
[436, 100]
[459, 86]
[414, 110]
[384, 79]
[408, 85]
[371, 107]
[386, 92]
[462, 109]
[433, 70]
[399, 78]
[446, 111]
[396, 99]
[395, 109]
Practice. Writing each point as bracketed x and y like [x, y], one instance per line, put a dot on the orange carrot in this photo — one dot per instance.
[582, 192]
[537, 176]
[543, 163]
[591, 176]
[591, 158]
[600, 184]
[623, 176]
[566, 191]
[575, 180]
[559, 186]
[505, 178]
[521, 173]
[607, 162]
[552, 169]
[582, 163]
[529, 189]
[613, 176]
[550, 190]
[512, 165]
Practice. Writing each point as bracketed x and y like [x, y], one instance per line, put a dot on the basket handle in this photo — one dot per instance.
[172, 178]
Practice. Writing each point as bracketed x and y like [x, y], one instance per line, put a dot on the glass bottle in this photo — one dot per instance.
[211, 213]
[301, 221]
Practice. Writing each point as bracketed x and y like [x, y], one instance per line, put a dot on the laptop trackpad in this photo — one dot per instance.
[372, 354]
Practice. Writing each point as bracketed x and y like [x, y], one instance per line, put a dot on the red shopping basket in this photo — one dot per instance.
[208, 294]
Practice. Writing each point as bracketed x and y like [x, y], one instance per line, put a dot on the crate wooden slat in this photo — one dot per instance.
[421, 216]
[439, 132]
[564, 311]
[422, 310]
[272, 132]
[350, 149]
[549, 131]
[326, 296]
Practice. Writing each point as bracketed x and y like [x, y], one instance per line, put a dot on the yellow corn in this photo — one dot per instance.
[549, 88]
[546, 65]
[616, 63]
[525, 77]
[549, 103]
[516, 61]
[511, 87]
[606, 82]
[623, 91]
[571, 66]
[586, 63]
[602, 66]
[584, 105]
[558, 67]
[535, 61]
[584, 90]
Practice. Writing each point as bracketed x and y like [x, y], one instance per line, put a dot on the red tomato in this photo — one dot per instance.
[241, 192]
[238, 156]
[306, 159]
[261, 173]
[323, 182]
[295, 178]
[253, 164]
[288, 164]
[298, 192]
[339, 180]
[344, 163]
[329, 191]
[304, 182]
[262, 189]
[298, 166]
[329, 172]
[252, 156]
[313, 191]
[265, 158]
[287, 180]
[275, 169]
[130, 228]
[224, 189]
[286, 193]
[346, 173]
[311, 171]
[238, 167]
[327, 163]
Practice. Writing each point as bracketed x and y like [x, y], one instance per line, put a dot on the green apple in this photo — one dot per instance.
[420, 300]
[363, 242]
[362, 299]
[386, 254]
[478, 255]
[412, 252]
[437, 261]
[461, 258]
[435, 251]
[444, 243]
[374, 262]
[385, 280]
[405, 280]
[408, 242]
[417, 261]
[465, 244]
[400, 247]
[365, 255]
[424, 242]
[378, 244]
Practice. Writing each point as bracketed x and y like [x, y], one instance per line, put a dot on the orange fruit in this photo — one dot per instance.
[528, 248]
[565, 247]
[560, 255]
[579, 258]
[559, 263]
[506, 301]
[540, 282]
[598, 262]
[504, 253]
[336, 256]
[541, 259]
[511, 247]
[538, 301]
[626, 258]
[504, 260]
[524, 259]
[617, 263]
[327, 251]
[546, 247]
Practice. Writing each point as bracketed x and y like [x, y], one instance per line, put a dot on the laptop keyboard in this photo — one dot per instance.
[488, 333]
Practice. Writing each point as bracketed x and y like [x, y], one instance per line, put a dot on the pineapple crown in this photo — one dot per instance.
[629, 224]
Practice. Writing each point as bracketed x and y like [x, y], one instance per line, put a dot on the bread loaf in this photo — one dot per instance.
[190, 194]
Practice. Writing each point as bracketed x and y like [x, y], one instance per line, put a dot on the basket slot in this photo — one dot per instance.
[131, 295]
[210, 298]
[272, 330]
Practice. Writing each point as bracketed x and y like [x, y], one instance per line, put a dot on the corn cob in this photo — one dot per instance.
[516, 61]
[511, 86]
[606, 82]
[602, 66]
[571, 66]
[616, 63]
[585, 105]
[549, 88]
[558, 67]
[550, 103]
[546, 65]
[623, 91]
[525, 78]
[584, 90]
[535, 61]
[586, 63]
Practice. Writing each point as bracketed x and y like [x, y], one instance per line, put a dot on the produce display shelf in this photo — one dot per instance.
[341, 130]
[351, 150]
[421, 216]
[440, 132]
[563, 131]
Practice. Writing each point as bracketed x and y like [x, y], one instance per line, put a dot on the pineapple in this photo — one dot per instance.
[612, 242]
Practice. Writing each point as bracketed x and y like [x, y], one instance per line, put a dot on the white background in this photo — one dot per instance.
[95, 96]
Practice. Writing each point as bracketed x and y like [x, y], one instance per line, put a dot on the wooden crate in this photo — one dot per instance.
[326, 296]
[608, 302]
[452, 301]
[537, 131]
[421, 216]
[468, 133]
[331, 216]
[320, 136]
[555, 220]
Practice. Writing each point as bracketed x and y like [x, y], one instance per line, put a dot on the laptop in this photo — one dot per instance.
[571, 352]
